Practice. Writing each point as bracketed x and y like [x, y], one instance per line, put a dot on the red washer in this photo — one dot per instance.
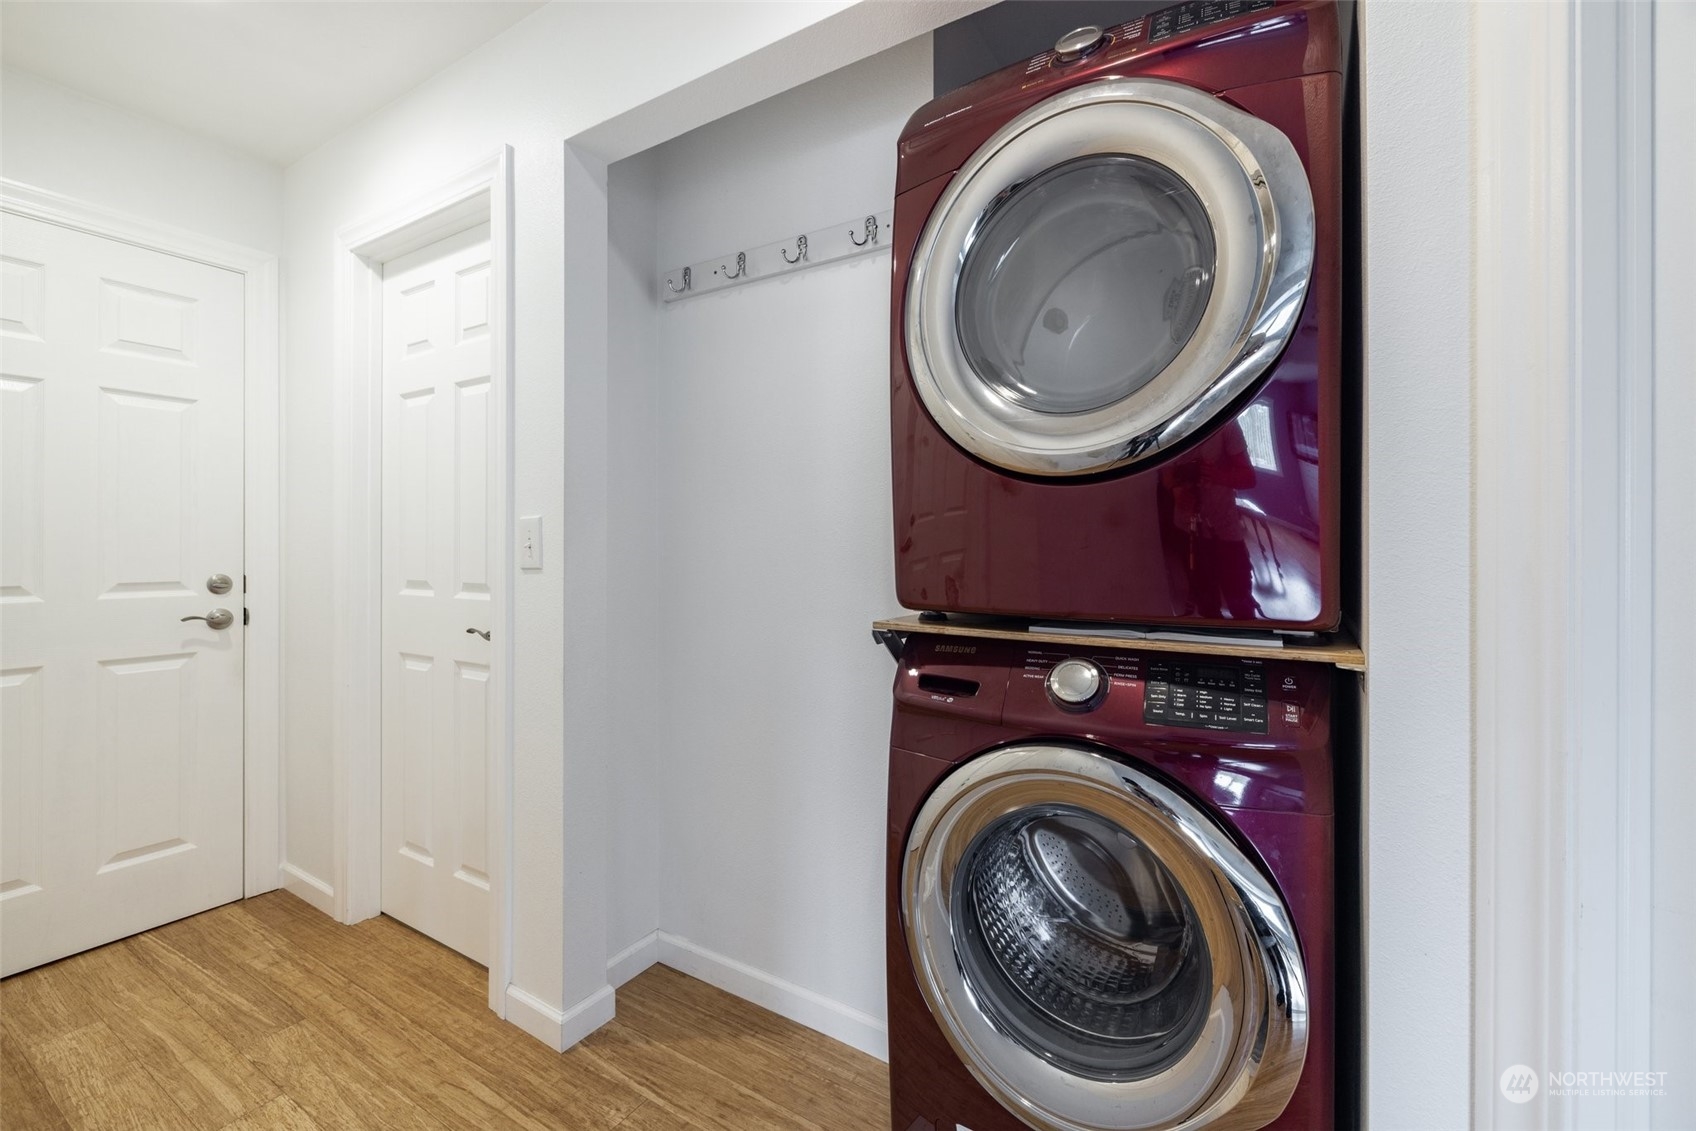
[1116, 327]
[1111, 891]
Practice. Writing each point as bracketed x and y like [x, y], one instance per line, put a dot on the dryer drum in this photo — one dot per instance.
[1084, 283]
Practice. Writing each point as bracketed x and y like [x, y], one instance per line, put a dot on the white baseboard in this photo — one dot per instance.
[585, 1017]
[535, 1017]
[801, 1005]
[554, 1028]
[633, 959]
[299, 882]
[560, 1030]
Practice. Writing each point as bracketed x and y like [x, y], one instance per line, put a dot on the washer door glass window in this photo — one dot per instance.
[1085, 283]
[1105, 275]
[1098, 951]
[1080, 943]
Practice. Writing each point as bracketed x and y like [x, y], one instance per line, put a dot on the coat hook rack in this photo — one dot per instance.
[850, 238]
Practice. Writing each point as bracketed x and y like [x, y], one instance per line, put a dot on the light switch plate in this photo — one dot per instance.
[530, 541]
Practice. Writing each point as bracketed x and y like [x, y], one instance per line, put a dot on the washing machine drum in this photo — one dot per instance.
[1099, 952]
[1106, 275]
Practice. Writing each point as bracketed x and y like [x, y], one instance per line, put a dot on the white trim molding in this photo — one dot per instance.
[805, 1007]
[482, 193]
[1567, 615]
[1672, 1037]
[784, 997]
[801, 1005]
[1523, 362]
[304, 885]
[263, 503]
[633, 959]
[558, 1029]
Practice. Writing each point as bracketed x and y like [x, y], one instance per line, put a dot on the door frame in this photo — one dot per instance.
[1581, 631]
[262, 495]
[481, 194]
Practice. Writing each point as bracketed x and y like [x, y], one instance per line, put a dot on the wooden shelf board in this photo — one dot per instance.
[1336, 649]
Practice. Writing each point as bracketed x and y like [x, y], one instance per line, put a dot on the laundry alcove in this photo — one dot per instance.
[749, 531]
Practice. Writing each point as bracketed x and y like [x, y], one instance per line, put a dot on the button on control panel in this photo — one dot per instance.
[1205, 697]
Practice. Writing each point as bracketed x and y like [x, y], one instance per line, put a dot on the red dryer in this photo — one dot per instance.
[1111, 891]
[1116, 327]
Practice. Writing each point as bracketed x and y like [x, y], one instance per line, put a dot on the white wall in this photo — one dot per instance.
[637, 568]
[68, 143]
[609, 75]
[756, 475]
[1416, 91]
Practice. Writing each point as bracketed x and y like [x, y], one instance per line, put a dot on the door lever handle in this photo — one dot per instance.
[477, 632]
[217, 618]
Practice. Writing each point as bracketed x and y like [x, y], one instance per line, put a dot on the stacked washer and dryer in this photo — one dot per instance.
[1116, 397]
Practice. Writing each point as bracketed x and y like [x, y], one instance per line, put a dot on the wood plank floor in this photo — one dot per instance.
[266, 1014]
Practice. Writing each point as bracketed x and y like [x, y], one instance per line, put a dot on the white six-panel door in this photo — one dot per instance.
[121, 376]
[437, 360]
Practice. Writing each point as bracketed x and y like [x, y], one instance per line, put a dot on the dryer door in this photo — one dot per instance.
[1105, 275]
[1098, 951]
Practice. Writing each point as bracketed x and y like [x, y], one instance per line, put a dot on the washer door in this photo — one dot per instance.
[1098, 951]
[1105, 275]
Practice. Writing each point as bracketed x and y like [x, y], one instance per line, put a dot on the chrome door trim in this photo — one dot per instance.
[1242, 1068]
[1252, 183]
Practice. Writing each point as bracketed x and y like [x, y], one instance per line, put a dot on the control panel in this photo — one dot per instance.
[1205, 696]
[1193, 14]
[1114, 694]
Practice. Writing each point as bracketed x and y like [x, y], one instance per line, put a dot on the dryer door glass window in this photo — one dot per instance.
[1085, 283]
[1080, 943]
[1106, 276]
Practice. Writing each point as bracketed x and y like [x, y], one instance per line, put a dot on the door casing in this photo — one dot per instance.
[262, 496]
[481, 194]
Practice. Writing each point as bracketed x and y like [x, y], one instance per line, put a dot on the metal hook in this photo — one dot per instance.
[871, 233]
[687, 283]
[800, 250]
[741, 266]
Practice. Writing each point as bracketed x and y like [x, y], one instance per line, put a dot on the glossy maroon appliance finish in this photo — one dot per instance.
[1273, 791]
[1202, 536]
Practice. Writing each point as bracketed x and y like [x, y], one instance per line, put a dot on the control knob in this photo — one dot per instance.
[1077, 685]
[1078, 43]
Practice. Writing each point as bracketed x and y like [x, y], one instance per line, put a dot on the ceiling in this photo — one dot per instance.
[274, 79]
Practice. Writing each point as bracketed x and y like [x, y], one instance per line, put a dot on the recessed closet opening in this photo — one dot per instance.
[749, 488]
